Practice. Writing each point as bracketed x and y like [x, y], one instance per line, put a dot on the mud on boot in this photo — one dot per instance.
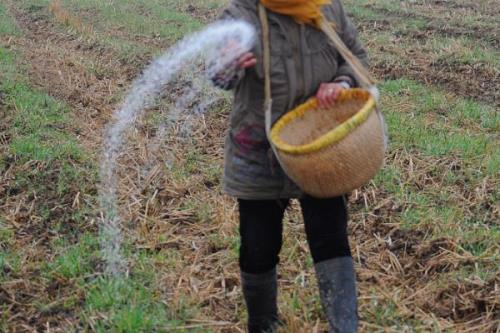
[260, 292]
[337, 287]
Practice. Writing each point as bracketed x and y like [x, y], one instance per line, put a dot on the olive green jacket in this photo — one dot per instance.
[301, 59]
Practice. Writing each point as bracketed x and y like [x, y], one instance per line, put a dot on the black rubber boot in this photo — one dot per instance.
[337, 287]
[260, 292]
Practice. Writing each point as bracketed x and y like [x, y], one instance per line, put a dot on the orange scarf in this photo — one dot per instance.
[303, 11]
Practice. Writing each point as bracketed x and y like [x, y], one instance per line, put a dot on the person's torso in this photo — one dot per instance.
[301, 59]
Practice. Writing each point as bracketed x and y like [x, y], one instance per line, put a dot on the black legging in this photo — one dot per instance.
[261, 227]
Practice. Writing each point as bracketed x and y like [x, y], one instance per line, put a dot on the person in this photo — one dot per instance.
[303, 63]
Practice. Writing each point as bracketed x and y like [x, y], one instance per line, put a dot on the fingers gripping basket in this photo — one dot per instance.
[334, 151]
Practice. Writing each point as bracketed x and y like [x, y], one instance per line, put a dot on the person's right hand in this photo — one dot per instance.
[226, 68]
[247, 60]
[225, 73]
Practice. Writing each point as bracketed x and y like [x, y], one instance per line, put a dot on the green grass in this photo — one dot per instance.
[128, 306]
[454, 50]
[462, 50]
[39, 126]
[152, 18]
[42, 133]
[7, 24]
[42, 136]
[114, 21]
[73, 260]
[437, 125]
[464, 134]
[10, 265]
[135, 303]
[418, 11]
[40, 123]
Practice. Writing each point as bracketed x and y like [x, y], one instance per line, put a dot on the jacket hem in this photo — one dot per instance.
[261, 196]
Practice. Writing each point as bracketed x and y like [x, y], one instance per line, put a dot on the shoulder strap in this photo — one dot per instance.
[362, 74]
[267, 67]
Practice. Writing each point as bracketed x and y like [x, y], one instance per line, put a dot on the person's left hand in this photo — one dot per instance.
[327, 94]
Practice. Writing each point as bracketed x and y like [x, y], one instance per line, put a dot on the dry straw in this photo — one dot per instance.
[66, 18]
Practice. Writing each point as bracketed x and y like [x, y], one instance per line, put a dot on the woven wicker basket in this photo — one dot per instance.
[331, 152]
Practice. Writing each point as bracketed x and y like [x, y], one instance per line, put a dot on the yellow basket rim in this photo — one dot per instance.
[333, 136]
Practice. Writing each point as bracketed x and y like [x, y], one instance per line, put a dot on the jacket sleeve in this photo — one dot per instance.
[349, 35]
[230, 77]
